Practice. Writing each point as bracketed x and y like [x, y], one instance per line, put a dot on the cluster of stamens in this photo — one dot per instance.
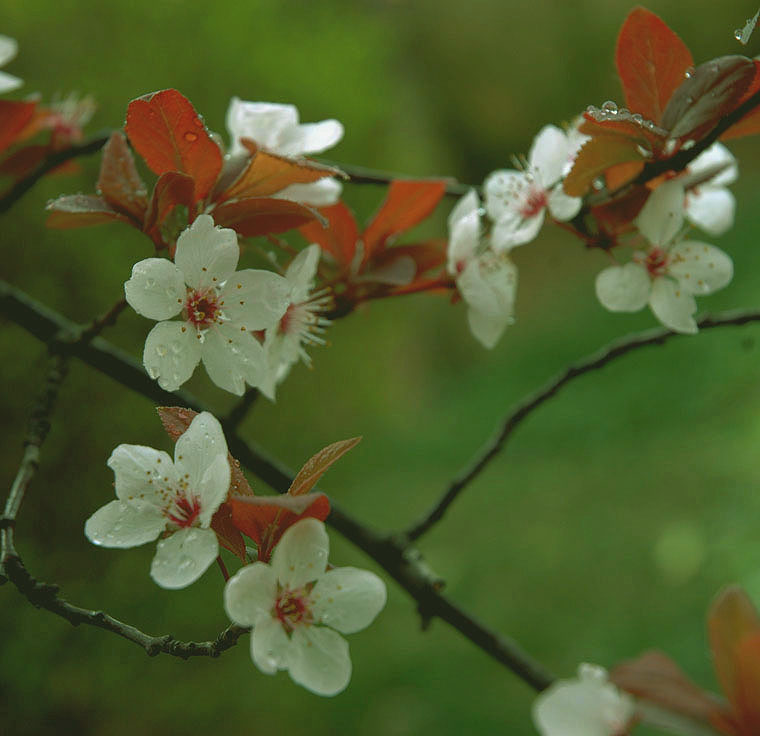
[293, 607]
[202, 308]
[304, 320]
[656, 262]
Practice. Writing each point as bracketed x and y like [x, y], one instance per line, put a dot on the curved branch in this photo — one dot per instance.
[54, 160]
[526, 407]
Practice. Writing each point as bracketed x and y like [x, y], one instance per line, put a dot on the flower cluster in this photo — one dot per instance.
[297, 605]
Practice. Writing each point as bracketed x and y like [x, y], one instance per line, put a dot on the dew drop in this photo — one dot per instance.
[161, 351]
[610, 106]
[638, 119]
[176, 347]
[191, 137]
[624, 111]
[738, 33]
[150, 283]
[591, 110]
[689, 73]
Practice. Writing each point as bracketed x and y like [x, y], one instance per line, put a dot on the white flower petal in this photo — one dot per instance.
[716, 156]
[172, 350]
[549, 154]
[233, 356]
[255, 299]
[623, 288]
[673, 306]
[122, 525]
[320, 193]
[562, 206]
[8, 49]
[501, 189]
[310, 138]
[700, 268]
[141, 474]
[300, 556]
[250, 594]
[488, 285]
[661, 217]
[8, 83]
[348, 599]
[301, 272]
[201, 459]
[262, 122]
[711, 209]
[586, 706]
[270, 646]
[512, 230]
[156, 289]
[464, 230]
[319, 660]
[207, 255]
[183, 557]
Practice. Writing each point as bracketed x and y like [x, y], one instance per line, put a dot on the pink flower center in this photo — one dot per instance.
[286, 322]
[534, 202]
[184, 511]
[201, 308]
[656, 262]
[292, 608]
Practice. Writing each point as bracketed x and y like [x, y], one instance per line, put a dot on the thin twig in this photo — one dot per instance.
[240, 410]
[22, 186]
[526, 407]
[401, 562]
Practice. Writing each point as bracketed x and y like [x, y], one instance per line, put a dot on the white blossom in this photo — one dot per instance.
[588, 705]
[486, 280]
[671, 272]
[276, 127]
[219, 308]
[172, 500]
[8, 51]
[301, 324]
[517, 200]
[298, 609]
[710, 205]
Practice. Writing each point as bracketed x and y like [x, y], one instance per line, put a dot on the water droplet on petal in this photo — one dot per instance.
[150, 283]
[161, 351]
[176, 347]
[610, 106]
[190, 137]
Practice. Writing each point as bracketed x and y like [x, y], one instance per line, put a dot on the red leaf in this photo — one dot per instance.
[227, 533]
[172, 190]
[81, 210]
[748, 684]
[24, 160]
[624, 124]
[167, 132]
[651, 61]
[176, 420]
[657, 679]
[316, 466]
[261, 215]
[339, 237]
[14, 117]
[617, 215]
[267, 174]
[265, 518]
[711, 91]
[750, 123]
[595, 157]
[731, 619]
[619, 175]
[426, 256]
[119, 183]
[407, 204]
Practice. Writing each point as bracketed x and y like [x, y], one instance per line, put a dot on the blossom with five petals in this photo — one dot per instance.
[517, 200]
[276, 127]
[298, 609]
[8, 50]
[710, 205]
[219, 308]
[300, 325]
[671, 272]
[486, 280]
[173, 500]
[588, 705]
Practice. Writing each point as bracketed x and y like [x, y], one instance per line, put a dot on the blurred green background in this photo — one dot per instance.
[605, 528]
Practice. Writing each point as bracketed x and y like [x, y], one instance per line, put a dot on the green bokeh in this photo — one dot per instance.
[612, 518]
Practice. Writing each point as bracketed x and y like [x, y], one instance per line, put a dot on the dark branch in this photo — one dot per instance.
[403, 564]
[528, 405]
[22, 186]
[240, 410]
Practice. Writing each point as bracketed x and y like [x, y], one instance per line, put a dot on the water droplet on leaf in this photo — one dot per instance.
[610, 106]
[191, 137]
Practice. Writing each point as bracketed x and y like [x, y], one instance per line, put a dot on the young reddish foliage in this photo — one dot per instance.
[340, 236]
[267, 174]
[407, 204]
[119, 183]
[82, 210]
[167, 132]
[14, 117]
[651, 61]
[172, 190]
[749, 124]
[597, 156]
[316, 466]
[262, 215]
